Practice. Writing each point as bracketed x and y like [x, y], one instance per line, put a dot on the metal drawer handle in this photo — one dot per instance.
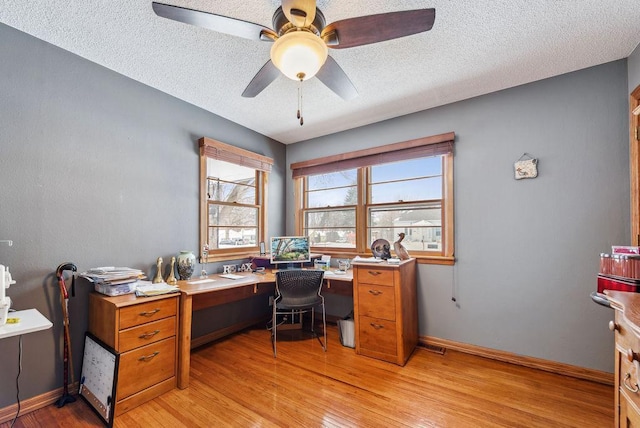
[148, 335]
[374, 273]
[626, 383]
[149, 313]
[148, 357]
[376, 326]
[375, 292]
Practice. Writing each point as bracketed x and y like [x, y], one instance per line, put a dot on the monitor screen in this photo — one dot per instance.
[290, 249]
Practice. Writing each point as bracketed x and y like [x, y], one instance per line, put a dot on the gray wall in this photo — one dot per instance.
[527, 250]
[98, 170]
[633, 66]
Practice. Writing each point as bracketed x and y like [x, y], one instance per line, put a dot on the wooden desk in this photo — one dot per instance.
[213, 290]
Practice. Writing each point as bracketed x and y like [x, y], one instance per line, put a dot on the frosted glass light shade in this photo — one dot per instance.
[299, 52]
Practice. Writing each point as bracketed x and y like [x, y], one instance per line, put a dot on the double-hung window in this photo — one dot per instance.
[348, 201]
[232, 199]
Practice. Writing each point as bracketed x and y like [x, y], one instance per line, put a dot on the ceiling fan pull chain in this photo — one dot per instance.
[298, 115]
[301, 77]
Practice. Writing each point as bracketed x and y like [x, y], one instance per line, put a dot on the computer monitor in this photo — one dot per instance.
[290, 250]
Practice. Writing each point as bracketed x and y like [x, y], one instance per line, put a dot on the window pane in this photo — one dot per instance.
[332, 189]
[333, 197]
[334, 179]
[242, 193]
[332, 238]
[422, 226]
[229, 171]
[333, 219]
[413, 190]
[421, 167]
[228, 215]
[224, 237]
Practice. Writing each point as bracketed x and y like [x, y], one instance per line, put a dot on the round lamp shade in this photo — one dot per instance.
[299, 54]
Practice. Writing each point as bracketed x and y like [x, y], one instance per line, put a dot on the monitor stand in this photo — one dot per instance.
[290, 266]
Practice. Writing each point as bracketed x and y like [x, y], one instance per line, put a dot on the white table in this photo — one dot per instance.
[31, 320]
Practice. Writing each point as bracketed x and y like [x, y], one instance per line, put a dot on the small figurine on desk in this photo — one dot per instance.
[401, 252]
[171, 279]
[203, 260]
[158, 278]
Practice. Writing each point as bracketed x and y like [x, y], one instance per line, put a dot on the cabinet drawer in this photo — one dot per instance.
[629, 415]
[146, 366]
[628, 378]
[625, 337]
[377, 301]
[375, 275]
[378, 335]
[131, 316]
[145, 334]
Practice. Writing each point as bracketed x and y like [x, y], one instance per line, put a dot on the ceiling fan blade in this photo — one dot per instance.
[219, 23]
[300, 13]
[334, 78]
[364, 30]
[261, 80]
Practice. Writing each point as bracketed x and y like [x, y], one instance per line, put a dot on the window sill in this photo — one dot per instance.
[420, 259]
[227, 256]
[436, 260]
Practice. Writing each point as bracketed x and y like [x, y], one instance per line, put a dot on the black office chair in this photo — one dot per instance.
[298, 292]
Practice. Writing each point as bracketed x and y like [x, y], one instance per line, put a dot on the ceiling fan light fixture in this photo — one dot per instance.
[299, 53]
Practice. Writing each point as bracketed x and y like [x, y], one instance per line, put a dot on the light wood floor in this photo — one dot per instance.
[236, 382]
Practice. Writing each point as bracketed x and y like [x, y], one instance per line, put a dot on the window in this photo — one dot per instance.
[330, 209]
[346, 202]
[232, 199]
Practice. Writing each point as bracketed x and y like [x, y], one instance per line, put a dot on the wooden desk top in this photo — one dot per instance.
[629, 304]
[214, 282]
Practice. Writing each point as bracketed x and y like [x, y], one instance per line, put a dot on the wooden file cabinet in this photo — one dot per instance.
[143, 331]
[386, 310]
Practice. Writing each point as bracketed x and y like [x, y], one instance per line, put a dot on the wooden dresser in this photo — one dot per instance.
[143, 331]
[627, 356]
[385, 310]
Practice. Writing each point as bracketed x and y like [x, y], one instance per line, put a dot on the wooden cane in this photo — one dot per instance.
[64, 299]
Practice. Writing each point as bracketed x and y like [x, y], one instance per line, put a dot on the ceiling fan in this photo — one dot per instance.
[301, 37]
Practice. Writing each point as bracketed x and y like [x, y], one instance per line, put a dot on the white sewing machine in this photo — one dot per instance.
[5, 282]
[5, 301]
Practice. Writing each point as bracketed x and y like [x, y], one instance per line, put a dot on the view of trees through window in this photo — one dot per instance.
[406, 197]
[398, 197]
[330, 217]
[232, 205]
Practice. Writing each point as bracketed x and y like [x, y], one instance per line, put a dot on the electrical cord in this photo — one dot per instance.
[18, 381]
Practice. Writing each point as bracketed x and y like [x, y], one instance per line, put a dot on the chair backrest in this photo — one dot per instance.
[297, 287]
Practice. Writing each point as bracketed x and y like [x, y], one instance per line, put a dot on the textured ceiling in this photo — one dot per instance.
[475, 47]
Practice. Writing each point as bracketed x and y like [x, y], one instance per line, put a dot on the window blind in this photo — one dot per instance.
[422, 147]
[225, 152]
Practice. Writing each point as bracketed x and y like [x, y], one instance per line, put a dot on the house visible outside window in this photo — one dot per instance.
[406, 197]
[233, 199]
[346, 202]
[330, 209]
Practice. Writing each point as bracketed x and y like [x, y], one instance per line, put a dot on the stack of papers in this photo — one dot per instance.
[231, 276]
[359, 259]
[148, 289]
[113, 275]
[114, 281]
